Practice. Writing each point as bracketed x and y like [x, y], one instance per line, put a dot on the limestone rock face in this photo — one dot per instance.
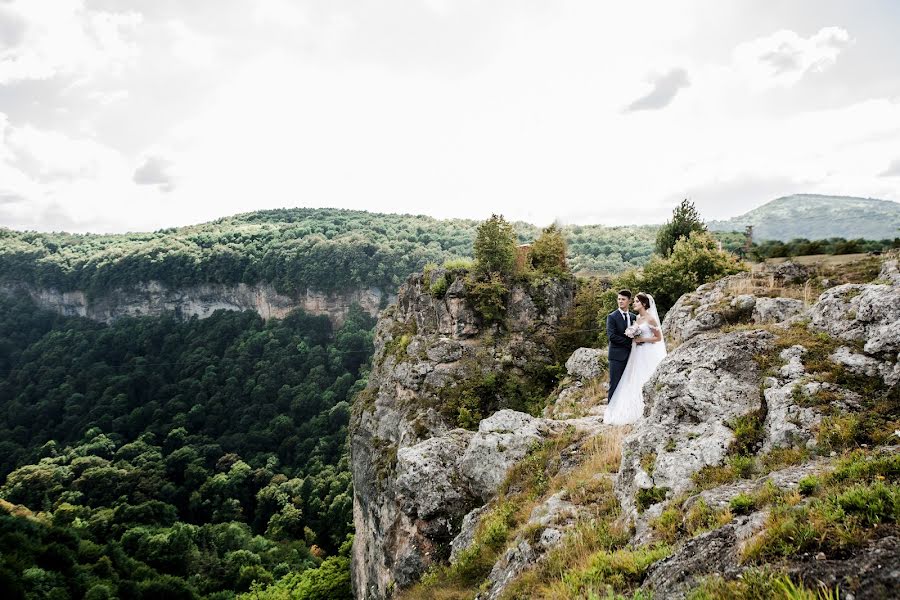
[415, 473]
[863, 312]
[586, 363]
[698, 388]
[716, 304]
[502, 440]
[787, 423]
[775, 310]
[866, 315]
[154, 298]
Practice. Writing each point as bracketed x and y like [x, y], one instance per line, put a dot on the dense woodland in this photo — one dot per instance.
[174, 459]
[326, 249]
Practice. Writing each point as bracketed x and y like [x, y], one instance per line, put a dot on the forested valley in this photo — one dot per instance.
[174, 459]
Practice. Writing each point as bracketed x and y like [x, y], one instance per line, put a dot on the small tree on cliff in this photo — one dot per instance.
[495, 247]
[695, 260]
[548, 253]
[685, 220]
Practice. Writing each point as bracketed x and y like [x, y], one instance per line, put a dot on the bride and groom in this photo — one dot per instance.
[636, 347]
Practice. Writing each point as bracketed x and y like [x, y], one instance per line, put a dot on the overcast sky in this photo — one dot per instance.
[123, 115]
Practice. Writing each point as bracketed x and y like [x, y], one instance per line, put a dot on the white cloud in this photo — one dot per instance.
[784, 57]
[279, 12]
[61, 37]
[447, 108]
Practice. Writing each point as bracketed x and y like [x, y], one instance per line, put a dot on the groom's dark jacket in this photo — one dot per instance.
[619, 343]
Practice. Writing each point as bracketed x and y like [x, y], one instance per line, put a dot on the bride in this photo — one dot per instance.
[648, 349]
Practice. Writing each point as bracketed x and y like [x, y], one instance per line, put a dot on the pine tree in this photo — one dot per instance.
[685, 220]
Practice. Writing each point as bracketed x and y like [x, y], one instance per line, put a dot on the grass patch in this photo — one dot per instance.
[781, 458]
[645, 498]
[757, 584]
[618, 570]
[747, 432]
[736, 467]
[531, 476]
[648, 462]
[742, 504]
[846, 509]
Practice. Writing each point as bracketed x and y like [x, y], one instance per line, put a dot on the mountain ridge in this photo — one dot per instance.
[818, 216]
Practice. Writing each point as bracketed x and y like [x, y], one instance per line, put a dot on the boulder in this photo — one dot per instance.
[502, 440]
[775, 310]
[587, 363]
[791, 272]
[426, 476]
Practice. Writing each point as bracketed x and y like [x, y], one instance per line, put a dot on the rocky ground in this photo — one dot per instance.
[768, 450]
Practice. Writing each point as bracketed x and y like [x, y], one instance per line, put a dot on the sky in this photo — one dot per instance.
[135, 115]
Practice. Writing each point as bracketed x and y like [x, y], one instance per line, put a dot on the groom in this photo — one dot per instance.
[619, 344]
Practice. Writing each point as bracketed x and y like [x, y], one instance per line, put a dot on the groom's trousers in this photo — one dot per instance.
[616, 368]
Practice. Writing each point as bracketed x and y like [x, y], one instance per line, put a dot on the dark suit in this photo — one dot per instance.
[619, 346]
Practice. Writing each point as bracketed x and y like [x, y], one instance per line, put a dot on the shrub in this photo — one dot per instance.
[646, 498]
[488, 297]
[548, 253]
[742, 504]
[808, 485]
[495, 247]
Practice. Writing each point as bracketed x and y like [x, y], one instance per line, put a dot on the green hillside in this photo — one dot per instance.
[326, 249]
[816, 217]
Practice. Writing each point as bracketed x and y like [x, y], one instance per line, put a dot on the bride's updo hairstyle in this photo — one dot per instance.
[644, 299]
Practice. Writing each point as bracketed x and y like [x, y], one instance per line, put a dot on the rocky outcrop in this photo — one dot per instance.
[698, 389]
[866, 317]
[154, 299]
[726, 302]
[787, 422]
[731, 402]
[416, 473]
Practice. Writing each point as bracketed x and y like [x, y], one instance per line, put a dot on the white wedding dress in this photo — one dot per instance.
[627, 403]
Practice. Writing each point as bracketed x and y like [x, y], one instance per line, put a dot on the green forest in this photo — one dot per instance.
[293, 249]
[155, 458]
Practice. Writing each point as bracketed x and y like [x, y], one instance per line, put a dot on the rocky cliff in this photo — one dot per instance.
[421, 459]
[766, 452]
[154, 298]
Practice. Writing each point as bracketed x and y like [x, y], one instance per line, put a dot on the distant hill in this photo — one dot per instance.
[816, 217]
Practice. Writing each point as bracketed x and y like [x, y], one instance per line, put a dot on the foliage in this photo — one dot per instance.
[548, 253]
[645, 498]
[329, 581]
[850, 506]
[488, 294]
[581, 327]
[694, 260]
[495, 248]
[805, 247]
[756, 584]
[189, 458]
[685, 221]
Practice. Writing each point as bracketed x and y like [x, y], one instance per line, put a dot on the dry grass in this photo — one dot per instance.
[604, 451]
[590, 395]
[765, 284]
